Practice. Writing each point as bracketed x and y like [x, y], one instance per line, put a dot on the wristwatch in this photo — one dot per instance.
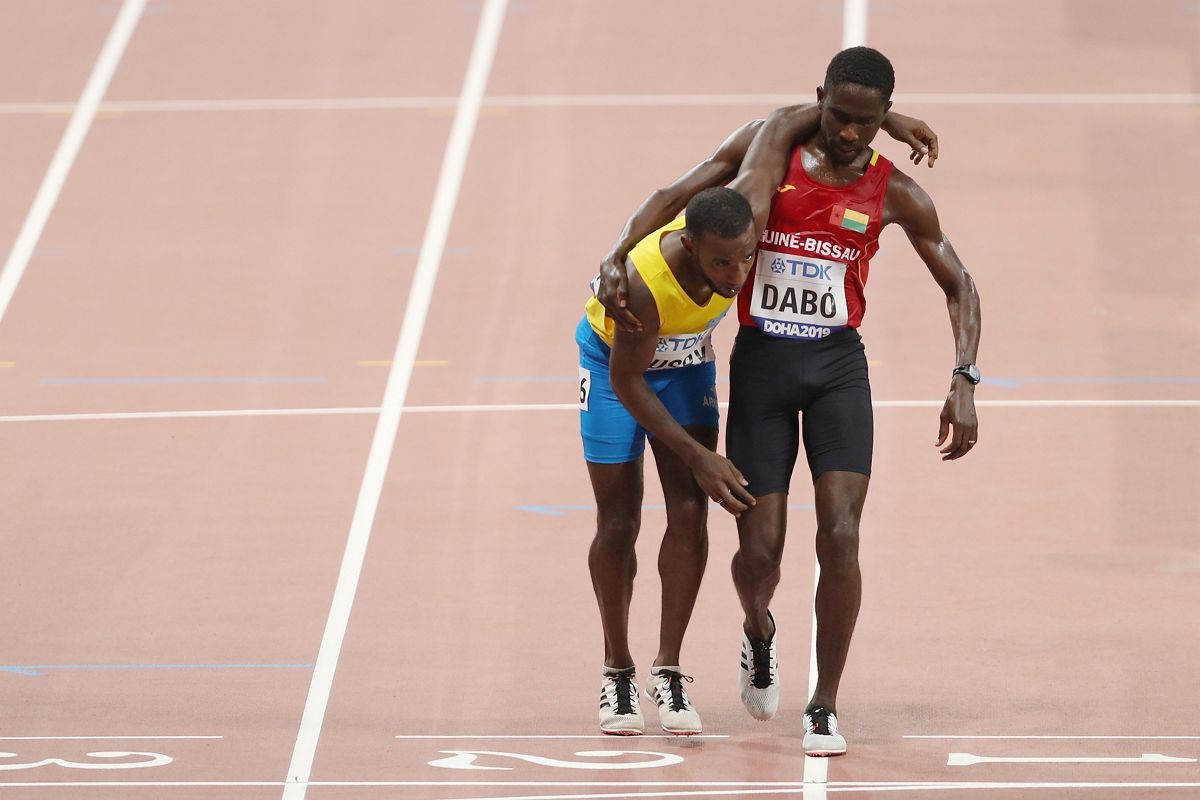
[968, 371]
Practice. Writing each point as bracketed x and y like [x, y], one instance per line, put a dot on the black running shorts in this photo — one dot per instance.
[773, 381]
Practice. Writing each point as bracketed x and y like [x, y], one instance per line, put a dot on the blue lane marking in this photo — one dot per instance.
[1076, 380]
[560, 510]
[44, 668]
[184, 379]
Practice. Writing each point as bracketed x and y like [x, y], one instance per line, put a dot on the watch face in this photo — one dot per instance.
[973, 373]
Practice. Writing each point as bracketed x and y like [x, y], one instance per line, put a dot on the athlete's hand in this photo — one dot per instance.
[613, 294]
[958, 414]
[914, 133]
[722, 482]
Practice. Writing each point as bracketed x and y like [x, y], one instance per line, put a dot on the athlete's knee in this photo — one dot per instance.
[617, 528]
[759, 556]
[837, 545]
[687, 518]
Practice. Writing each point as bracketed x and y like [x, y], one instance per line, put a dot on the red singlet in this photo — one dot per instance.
[809, 278]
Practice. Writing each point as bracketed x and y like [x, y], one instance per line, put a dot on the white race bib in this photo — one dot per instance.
[798, 296]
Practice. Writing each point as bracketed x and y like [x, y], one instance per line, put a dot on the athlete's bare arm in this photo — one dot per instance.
[908, 205]
[720, 168]
[766, 161]
[663, 206]
[632, 352]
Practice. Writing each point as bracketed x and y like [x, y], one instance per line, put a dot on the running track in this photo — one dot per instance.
[344, 244]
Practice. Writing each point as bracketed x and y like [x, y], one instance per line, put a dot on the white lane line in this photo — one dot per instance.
[445, 197]
[95, 738]
[854, 23]
[564, 736]
[764, 101]
[1121, 738]
[970, 759]
[835, 786]
[816, 770]
[535, 407]
[68, 149]
[233, 412]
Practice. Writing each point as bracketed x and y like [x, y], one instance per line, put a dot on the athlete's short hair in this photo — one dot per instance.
[863, 66]
[719, 210]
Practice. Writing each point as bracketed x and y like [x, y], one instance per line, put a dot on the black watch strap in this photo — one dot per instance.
[968, 371]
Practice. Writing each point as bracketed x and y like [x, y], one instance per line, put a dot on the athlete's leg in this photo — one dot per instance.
[838, 438]
[756, 565]
[684, 551]
[612, 560]
[840, 497]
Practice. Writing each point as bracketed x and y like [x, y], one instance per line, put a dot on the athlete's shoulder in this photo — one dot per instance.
[906, 202]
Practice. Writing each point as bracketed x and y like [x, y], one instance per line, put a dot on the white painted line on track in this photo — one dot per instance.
[95, 738]
[1018, 737]
[68, 149]
[779, 788]
[816, 770]
[534, 407]
[765, 101]
[445, 197]
[565, 736]
[854, 23]
[233, 412]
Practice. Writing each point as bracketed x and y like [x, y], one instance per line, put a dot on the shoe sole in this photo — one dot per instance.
[621, 733]
[825, 753]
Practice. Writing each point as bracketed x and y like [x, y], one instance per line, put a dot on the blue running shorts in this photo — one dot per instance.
[610, 433]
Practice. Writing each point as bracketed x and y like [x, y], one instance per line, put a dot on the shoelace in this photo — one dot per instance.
[762, 663]
[820, 717]
[675, 687]
[625, 690]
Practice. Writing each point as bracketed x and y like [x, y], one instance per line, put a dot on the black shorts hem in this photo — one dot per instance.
[840, 468]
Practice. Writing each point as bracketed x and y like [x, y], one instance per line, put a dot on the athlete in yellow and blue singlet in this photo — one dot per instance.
[660, 383]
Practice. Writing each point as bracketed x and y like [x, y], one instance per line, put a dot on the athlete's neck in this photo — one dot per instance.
[685, 268]
[821, 167]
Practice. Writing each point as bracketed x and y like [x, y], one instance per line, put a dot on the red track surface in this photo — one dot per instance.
[262, 259]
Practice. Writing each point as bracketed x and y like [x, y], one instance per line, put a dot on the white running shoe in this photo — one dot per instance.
[620, 711]
[821, 737]
[675, 710]
[759, 675]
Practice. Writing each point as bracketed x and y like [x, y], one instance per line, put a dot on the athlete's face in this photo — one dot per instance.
[850, 118]
[724, 263]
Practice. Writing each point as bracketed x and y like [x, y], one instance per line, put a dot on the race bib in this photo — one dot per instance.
[673, 352]
[585, 388]
[798, 296]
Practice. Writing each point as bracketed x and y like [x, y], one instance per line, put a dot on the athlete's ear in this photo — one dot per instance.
[887, 106]
[687, 243]
[820, 94]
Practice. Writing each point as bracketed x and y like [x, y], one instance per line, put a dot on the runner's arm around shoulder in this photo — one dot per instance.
[662, 206]
[913, 210]
[632, 353]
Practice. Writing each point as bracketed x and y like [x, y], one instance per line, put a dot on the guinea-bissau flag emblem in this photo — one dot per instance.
[849, 219]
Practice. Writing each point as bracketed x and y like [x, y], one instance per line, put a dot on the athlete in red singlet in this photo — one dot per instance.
[821, 207]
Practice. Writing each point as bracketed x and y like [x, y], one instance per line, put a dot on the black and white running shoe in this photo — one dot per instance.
[675, 710]
[758, 678]
[821, 736]
[620, 711]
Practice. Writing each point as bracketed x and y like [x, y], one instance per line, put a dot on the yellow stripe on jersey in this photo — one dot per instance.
[678, 314]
